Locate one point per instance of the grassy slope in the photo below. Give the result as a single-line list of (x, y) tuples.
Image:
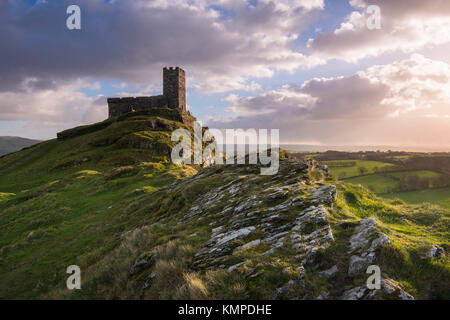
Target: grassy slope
[(175, 245), (78, 200), (70, 204), (412, 230)]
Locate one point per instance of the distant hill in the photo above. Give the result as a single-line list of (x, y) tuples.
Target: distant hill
[(12, 144)]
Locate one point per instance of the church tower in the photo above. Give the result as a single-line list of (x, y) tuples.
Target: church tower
[(174, 84)]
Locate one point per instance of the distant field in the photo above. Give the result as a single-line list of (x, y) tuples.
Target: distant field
[(376, 183), (350, 168), (435, 196), (419, 173), (310, 156), (383, 183)]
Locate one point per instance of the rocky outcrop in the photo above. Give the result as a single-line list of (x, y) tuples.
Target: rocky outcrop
[(142, 263), (286, 221), (286, 213), (364, 243), (434, 252), (389, 290)]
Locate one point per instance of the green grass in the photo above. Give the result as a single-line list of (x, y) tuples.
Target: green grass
[(5, 196), (412, 230), (350, 168), (400, 157), (73, 221), (311, 156), (419, 173), (384, 183), (67, 202), (436, 196), (376, 183), (100, 200)]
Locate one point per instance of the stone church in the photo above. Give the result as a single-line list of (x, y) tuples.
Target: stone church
[(174, 96)]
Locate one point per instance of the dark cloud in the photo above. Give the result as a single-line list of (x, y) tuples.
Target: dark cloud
[(131, 40)]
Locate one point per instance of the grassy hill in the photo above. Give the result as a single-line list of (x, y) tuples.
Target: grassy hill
[(13, 144), (106, 198), (69, 198)]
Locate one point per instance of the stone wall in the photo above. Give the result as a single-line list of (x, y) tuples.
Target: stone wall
[(121, 106), (174, 96)]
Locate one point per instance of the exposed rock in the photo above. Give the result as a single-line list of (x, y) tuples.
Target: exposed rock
[(232, 268), (234, 189), (390, 289), (315, 216), (329, 273), (142, 264), (358, 265), (308, 245), (323, 296), (362, 235), (280, 291), (379, 242), (217, 230), (363, 246), (324, 195), (354, 294), (241, 233), (249, 245), (434, 252)]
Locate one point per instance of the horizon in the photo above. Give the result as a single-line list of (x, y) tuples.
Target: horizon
[(303, 147)]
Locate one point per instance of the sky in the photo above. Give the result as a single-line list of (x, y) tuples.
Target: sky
[(317, 70)]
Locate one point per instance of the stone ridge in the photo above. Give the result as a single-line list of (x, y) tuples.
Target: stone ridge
[(256, 223)]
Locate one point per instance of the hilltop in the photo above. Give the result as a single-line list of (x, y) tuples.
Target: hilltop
[(13, 144), (107, 198)]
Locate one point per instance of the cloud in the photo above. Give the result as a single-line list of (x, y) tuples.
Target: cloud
[(354, 108), (406, 26), (50, 106), (222, 44)]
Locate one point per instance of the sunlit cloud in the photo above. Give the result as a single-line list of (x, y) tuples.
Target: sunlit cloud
[(403, 92)]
